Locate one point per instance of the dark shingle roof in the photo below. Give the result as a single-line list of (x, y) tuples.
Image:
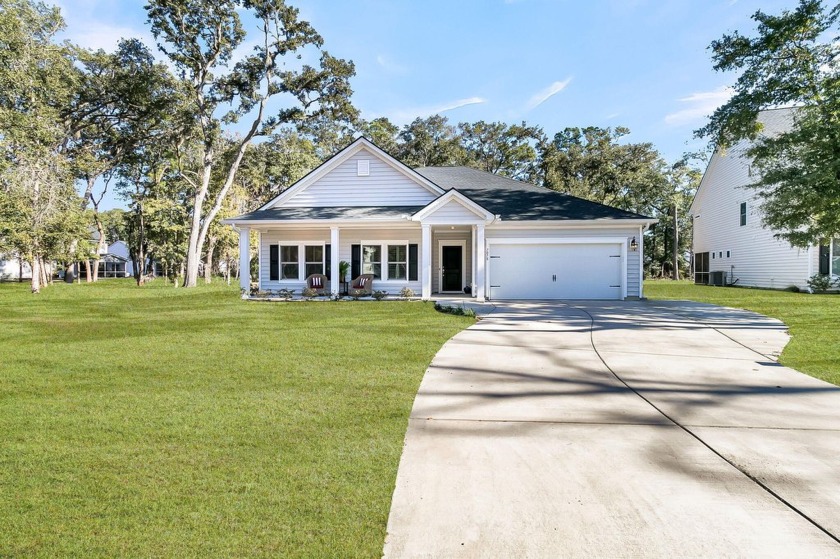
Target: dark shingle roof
[(516, 200), (365, 212)]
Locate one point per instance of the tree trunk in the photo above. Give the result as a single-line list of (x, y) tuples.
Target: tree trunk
[(88, 277), (36, 275), (676, 253), (208, 260), (20, 269)]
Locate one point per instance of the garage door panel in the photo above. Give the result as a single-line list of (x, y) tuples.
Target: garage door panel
[(555, 271)]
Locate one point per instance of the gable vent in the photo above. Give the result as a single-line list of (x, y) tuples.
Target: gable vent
[(362, 168)]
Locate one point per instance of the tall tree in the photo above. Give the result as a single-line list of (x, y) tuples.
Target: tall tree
[(200, 37), (591, 163), (40, 213), (792, 61), (430, 141), (502, 149)]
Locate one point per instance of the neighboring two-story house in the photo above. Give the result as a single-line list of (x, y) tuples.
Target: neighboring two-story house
[(731, 244)]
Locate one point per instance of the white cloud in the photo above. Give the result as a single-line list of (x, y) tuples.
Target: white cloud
[(699, 106), (404, 116), (390, 66), (544, 95)]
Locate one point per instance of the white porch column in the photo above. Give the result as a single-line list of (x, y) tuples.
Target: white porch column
[(245, 259), (641, 244), (335, 277), (426, 262), (480, 263), (474, 262)]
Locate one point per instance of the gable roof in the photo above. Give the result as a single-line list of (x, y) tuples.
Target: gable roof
[(333, 162), (455, 197), (515, 200), (774, 122)]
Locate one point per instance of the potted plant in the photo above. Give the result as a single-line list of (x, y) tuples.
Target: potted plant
[(343, 275)]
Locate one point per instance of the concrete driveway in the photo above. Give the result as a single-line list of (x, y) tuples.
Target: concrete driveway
[(642, 429)]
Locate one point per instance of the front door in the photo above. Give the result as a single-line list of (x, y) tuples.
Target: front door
[(451, 262)]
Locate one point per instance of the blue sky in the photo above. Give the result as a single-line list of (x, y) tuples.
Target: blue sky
[(643, 64)]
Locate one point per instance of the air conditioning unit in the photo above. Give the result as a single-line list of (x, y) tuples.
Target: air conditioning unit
[(717, 278)]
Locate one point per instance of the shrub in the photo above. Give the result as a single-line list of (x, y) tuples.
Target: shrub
[(820, 283), (379, 295), (406, 292), (286, 294), (309, 293)]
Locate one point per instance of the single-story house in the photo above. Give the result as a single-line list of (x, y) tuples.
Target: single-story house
[(439, 230), (731, 244), (13, 268)]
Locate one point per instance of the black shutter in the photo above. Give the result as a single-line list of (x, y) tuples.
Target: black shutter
[(825, 259), (412, 262), (328, 261), (274, 262), (355, 261)]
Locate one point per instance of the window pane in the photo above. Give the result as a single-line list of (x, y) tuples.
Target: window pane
[(835, 257), (314, 253), (397, 271), (314, 269), (396, 253), (290, 271), (289, 253), (372, 268), (371, 254)]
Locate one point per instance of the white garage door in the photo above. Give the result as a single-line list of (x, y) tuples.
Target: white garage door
[(555, 271)]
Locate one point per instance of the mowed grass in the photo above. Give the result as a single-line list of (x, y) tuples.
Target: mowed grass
[(162, 422), (813, 320)]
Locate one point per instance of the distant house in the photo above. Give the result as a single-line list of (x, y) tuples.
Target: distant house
[(13, 269), (731, 244)]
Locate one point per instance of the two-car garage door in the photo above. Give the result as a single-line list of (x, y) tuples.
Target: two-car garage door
[(555, 271)]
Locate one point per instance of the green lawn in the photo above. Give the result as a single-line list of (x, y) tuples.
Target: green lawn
[(162, 422), (813, 320)]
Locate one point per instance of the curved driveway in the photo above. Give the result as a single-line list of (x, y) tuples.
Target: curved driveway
[(634, 429)]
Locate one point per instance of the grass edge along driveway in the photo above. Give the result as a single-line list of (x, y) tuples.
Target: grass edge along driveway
[(161, 422), (813, 320)]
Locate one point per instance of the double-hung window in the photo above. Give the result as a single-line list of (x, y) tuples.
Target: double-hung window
[(743, 213), (397, 262), (314, 263), (289, 264)]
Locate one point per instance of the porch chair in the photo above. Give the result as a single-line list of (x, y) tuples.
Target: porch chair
[(362, 286), (318, 282)]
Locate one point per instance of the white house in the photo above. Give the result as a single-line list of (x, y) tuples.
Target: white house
[(12, 268), (729, 235), (442, 230)]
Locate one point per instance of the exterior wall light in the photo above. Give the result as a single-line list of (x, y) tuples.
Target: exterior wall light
[(634, 246)]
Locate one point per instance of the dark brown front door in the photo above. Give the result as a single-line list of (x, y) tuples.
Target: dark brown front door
[(451, 258)]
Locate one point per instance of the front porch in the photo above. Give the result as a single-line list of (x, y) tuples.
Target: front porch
[(429, 259)]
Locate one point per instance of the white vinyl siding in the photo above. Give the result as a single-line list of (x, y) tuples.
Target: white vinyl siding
[(344, 187), (452, 212), (756, 257)]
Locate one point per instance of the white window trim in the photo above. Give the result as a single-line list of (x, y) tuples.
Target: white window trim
[(831, 271), (301, 258), (383, 250)]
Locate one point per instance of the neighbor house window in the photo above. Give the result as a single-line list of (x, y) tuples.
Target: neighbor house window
[(397, 262), (835, 257), (314, 263), (728, 254), (372, 260), (743, 213), (289, 264)]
